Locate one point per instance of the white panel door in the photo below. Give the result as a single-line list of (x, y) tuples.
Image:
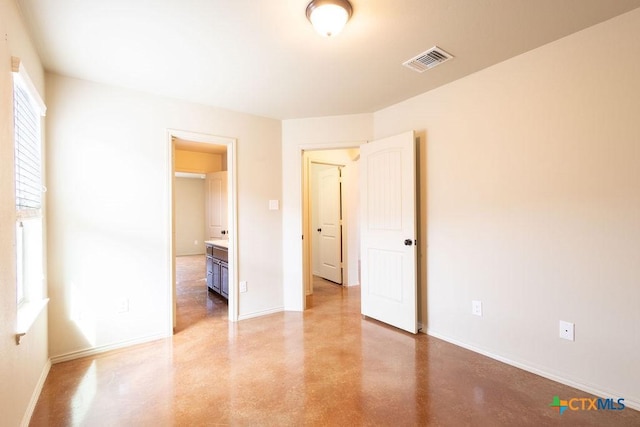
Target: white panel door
[(388, 233), (216, 199), (330, 230)]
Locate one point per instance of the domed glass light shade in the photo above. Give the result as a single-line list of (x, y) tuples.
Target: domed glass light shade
[(329, 16)]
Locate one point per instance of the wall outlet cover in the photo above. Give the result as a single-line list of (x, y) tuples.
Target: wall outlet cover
[(567, 330), (123, 305), (476, 308), (243, 286)]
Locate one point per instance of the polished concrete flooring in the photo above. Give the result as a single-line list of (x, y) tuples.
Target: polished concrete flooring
[(326, 367)]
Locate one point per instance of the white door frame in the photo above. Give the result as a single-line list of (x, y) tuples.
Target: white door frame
[(305, 223), (230, 143), (310, 228)]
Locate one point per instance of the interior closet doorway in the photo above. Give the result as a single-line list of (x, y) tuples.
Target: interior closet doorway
[(330, 217), (195, 156), (326, 219)]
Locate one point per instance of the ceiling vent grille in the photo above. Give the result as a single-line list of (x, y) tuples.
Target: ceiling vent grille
[(427, 60)]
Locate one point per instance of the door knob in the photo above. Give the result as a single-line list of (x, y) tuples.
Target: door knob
[(408, 242)]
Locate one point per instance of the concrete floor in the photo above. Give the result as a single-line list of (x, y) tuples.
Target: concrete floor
[(324, 367)]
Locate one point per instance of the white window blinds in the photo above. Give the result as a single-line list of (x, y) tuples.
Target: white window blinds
[(27, 109), (27, 153)]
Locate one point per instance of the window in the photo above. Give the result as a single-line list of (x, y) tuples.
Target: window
[(28, 110), (28, 183)]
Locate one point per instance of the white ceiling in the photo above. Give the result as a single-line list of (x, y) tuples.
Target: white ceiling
[(263, 57)]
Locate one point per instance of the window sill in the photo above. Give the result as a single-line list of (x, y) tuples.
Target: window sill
[(28, 312)]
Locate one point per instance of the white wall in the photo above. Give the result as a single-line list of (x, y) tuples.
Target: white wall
[(189, 196), (532, 191), (109, 222), (23, 366), (299, 135)]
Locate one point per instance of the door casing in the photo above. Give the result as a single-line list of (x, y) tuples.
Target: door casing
[(307, 231), (232, 218)]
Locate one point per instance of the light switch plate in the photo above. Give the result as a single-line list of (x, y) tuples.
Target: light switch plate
[(274, 205)]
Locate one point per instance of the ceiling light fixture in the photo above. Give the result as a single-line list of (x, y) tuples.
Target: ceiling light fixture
[(329, 16)]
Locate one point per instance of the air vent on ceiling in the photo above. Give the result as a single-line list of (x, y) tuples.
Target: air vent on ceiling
[(429, 59)]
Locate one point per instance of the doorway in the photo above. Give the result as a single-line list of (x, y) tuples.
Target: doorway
[(391, 169), (181, 143), (330, 239)]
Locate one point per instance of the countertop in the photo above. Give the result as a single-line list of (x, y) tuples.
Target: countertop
[(218, 242)]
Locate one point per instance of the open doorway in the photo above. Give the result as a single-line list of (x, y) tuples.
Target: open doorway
[(197, 160), (330, 218)]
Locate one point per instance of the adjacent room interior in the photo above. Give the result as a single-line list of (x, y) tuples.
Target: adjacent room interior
[(200, 205)]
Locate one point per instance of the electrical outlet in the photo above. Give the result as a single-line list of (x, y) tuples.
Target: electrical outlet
[(567, 331), (195, 242), (123, 305), (243, 286), (476, 308)]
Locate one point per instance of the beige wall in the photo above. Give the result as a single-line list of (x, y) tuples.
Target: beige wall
[(109, 222), (189, 196), (23, 367), (532, 205), (191, 161)]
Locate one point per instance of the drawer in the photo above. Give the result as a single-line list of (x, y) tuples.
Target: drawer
[(220, 253)]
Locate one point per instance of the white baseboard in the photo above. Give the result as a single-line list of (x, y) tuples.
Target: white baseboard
[(36, 394), (260, 313), (551, 376), (191, 253), (104, 348)]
